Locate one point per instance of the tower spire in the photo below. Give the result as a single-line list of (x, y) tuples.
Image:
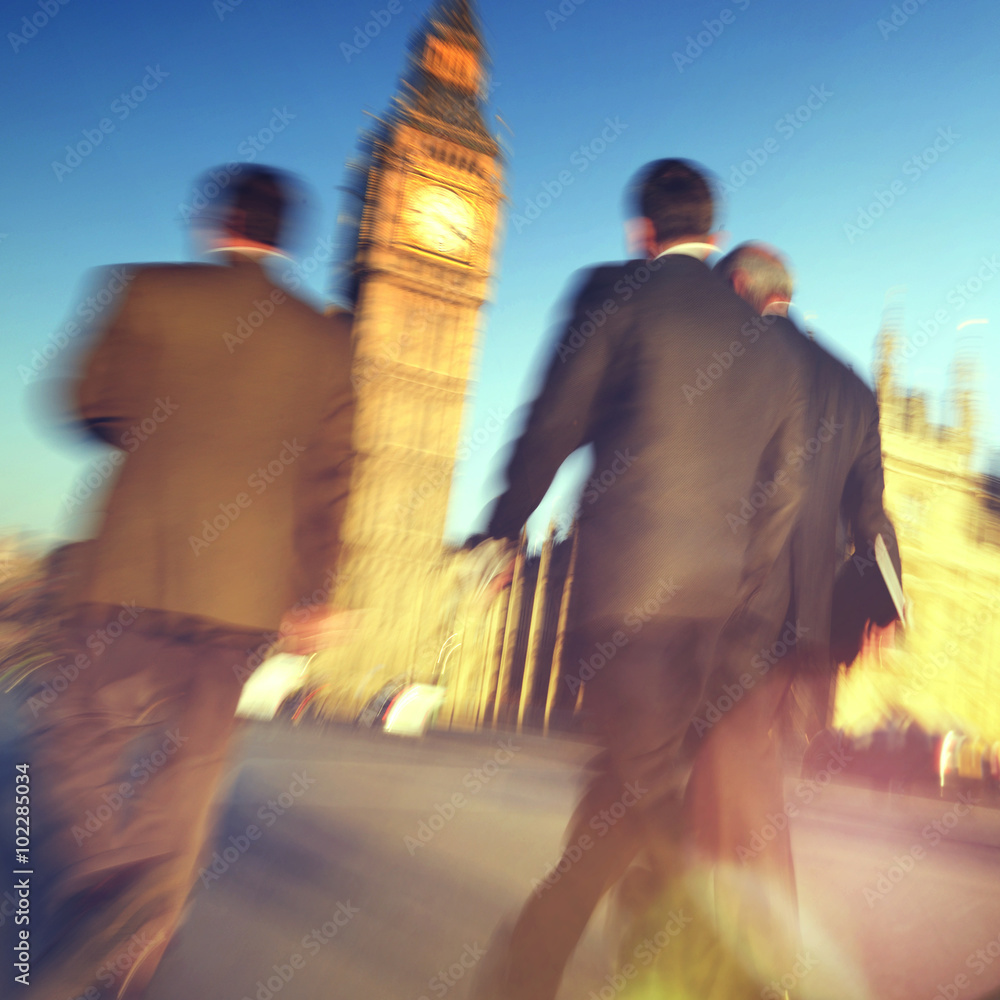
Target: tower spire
[(886, 347), (460, 16), (444, 90)]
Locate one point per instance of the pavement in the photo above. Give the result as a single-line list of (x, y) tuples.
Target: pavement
[(352, 865)]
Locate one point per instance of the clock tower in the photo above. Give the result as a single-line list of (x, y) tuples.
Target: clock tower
[(421, 271)]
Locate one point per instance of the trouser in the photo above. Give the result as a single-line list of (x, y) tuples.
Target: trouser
[(685, 801), (125, 761), (642, 701), (739, 826)]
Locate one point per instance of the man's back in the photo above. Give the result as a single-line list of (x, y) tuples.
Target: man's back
[(691, 409), (232, 401), (847, 486)]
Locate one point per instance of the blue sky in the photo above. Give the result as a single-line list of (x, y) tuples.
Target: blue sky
[(725, 84)]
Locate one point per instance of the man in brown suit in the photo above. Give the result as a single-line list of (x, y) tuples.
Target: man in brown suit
[(231, 400)]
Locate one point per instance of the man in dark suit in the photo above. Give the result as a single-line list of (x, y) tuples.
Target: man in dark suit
[(844, 513), (688, 407), (230, 402), (737, 815)]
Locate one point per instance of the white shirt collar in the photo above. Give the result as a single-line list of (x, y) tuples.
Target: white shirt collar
[(700, 251), (253, 253), (776, 309)]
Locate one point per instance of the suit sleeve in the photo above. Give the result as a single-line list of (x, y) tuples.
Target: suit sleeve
[(327, 479), (864, 495), (563, 415), (107, 392)]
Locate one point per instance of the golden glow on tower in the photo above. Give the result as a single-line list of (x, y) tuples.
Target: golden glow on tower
[(454, 65)]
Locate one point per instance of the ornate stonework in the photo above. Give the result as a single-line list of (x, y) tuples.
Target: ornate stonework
[(946, 669), (422, 268)]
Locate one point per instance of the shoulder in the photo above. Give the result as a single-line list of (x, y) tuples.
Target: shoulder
[(326, 336), (791, 341), (150, 277), (598, 279), (338, 325), (166, 286), (613, 285), (839, 373)]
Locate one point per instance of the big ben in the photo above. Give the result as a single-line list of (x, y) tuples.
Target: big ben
[(422, 266)]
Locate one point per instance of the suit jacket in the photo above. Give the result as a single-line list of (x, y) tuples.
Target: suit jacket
[(232, 402), (846, 491), (690, 410), (790, 615)]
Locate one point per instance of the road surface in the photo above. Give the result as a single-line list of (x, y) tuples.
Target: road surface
[(364, 867)]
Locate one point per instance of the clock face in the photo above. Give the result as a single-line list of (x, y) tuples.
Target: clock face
[(440, 220)]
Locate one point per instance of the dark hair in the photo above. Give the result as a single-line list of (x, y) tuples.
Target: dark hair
[(676, 196), (257, 202)]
